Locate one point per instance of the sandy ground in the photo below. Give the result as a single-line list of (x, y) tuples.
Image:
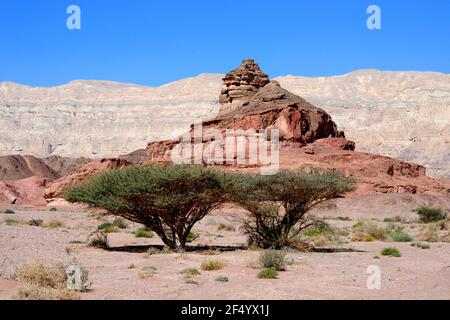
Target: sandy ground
[(418, 274)]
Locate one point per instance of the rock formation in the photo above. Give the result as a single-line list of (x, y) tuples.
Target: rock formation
[(20, 167), (241, 84), (308, 137), (56, 188), (24, 192), (397, 114), (405, 115)]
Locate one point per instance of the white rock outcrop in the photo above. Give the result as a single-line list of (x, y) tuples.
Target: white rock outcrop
[(100, 118)]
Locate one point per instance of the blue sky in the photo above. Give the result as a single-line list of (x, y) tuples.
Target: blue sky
[(154, 42)]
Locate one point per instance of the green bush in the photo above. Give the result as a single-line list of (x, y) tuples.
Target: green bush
[(36, 222), (98, 239), (192, 236), (120, 223), (428, 215), (169, 200), (391, 251), (400, 236), (54, 224), (369, 230), (111, 229), (344, 218), (268, 273), (143, 233), (222, 279), (420, 245), (191, 272), (104, 226), (226, 227), (279, 204), (212, 265), (11, 222), (273, 259), (9, 211), (53, 209)]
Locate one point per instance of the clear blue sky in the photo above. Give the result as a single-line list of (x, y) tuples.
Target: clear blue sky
[(154, 42)]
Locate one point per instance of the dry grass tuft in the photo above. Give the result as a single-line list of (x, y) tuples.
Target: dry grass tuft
[(39, 281)]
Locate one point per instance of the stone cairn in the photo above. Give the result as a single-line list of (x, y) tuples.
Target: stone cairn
[(243, 82)]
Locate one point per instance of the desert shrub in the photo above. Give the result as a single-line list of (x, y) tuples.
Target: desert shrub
[(147, 272), (279, 204), (143, 233), (190, 272), (396, 219), (9, 211), (320, 234), (11, 222), (108, 227), (104, 226), (273, 259), (190, 281), (391, 251), (192, 236), (344, 218), (111, 229), (226, 227), (268, 273), (428, 215), (369, 230), (169, 200), (400, 236), (53, 209), (222, 279), (435, 232), (420, 245), (152, 251), (120, 223), (53, 224), (98, 239), (212, 265), (42, 275), (33, 292), (36, 222), (40, 281)]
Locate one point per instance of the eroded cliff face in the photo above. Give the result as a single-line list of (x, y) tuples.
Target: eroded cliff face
[(98, 118)]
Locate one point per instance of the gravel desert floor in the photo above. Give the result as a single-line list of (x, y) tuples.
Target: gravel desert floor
[(128, 271)]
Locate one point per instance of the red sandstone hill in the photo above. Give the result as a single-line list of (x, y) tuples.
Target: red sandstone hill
[(308, 137)]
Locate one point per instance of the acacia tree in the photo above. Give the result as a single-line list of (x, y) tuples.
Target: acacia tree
[(279, 205), (169, 200)]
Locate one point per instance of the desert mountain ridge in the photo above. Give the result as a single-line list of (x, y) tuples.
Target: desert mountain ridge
[(397, 114)]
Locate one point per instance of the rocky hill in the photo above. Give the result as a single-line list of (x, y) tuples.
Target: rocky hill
[(307, 137), (405, 115), (398, 114)]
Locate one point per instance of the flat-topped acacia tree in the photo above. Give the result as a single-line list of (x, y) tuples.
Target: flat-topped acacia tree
[(280, 204), (169, 200)]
